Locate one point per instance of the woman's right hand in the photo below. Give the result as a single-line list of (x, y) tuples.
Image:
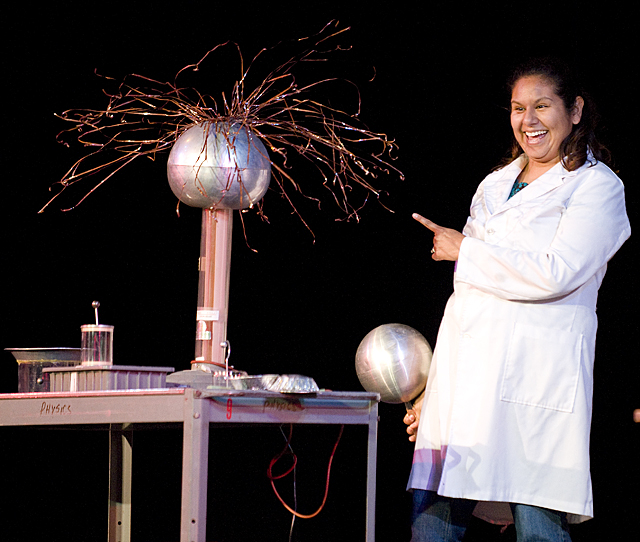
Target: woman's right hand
[(412, 417)]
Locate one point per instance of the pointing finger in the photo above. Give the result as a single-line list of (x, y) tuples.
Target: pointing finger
[(426, 222)]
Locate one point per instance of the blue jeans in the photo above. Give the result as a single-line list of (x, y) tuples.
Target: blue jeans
[(443, 519)]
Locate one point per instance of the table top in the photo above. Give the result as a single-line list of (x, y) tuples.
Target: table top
[(168, 405)]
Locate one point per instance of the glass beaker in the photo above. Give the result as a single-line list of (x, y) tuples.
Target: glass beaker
[(97, 344)]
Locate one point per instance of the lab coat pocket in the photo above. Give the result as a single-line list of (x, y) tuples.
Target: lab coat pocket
[(542, 367)]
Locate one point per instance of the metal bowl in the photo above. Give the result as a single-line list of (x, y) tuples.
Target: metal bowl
[(31, 361)]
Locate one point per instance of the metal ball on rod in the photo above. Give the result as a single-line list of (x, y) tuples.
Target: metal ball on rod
[(394, 360)]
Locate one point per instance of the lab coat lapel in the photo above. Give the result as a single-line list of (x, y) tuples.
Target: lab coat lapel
[(543, 184), (497, 191)]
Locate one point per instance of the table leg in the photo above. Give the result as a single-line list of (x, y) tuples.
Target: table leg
[(195, 455), (120, 458), (372, 450)]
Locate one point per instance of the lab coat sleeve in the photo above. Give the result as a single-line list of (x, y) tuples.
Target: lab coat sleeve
[(592, 228)]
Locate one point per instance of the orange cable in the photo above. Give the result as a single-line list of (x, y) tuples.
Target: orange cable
[(326, 490), (277, 458)]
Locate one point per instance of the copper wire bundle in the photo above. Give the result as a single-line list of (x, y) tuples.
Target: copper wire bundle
[(144, 117)]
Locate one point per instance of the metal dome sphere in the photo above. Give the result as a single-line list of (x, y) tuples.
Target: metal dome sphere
[(218, 165)]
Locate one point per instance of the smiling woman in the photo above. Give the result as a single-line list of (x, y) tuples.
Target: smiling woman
[(502, 428), (540, 123), (552, 117)]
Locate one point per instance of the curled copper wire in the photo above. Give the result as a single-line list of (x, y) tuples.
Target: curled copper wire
[(144, 117)]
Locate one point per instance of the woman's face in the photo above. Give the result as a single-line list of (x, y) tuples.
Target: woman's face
[(540, 120)]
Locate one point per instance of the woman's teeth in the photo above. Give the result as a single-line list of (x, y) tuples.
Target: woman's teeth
[(536, 134)]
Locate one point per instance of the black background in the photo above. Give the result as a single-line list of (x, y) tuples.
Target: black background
[(296, 306)]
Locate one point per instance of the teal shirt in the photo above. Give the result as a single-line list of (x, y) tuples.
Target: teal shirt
[(516, 188)]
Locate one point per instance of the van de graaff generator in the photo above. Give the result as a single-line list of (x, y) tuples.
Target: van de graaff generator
[(218, 167)]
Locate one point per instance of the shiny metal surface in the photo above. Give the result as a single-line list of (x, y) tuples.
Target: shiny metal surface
[(255, 382), (294, 384), (394, 360), (206, 377), (106, 377), (61, 353), (217, 165), (95, 306), (31, 362)]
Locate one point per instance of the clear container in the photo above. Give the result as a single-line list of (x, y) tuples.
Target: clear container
[(97, 344)]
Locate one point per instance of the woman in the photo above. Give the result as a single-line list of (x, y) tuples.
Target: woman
[(503, 426)]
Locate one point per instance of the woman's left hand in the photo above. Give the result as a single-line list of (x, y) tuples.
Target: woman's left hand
[(412, 417), (446, 242)]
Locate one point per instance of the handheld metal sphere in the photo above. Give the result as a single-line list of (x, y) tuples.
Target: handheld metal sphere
[(394, 360)]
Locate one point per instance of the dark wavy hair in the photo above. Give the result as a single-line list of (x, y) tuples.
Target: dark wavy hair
[(574, 150)]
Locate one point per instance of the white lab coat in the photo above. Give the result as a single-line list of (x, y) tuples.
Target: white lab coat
[(507, 409)]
